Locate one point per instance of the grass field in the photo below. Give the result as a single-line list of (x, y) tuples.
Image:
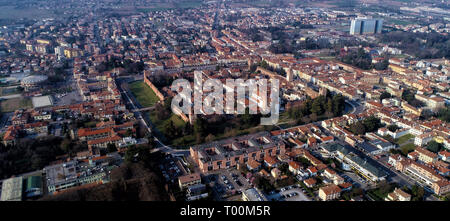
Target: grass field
[(8, 91), (143, 93), (177, 121), (12, 12), (11, 105), (165, 6), (401, 140), (408, 148)]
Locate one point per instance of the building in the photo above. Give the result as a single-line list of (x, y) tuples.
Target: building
[(425, 155), (360, 164), (189, 180), (329, 192), (237, 150), (71, 174), (441, 187), (12, 189), (310, 182), (422, 173), (398, 195), (360, 26), (33, 186), (276, 173), (253, 194)]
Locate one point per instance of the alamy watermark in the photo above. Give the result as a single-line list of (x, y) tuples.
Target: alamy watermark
[(209, 97)]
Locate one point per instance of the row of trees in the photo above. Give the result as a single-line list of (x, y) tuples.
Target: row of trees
[(321, 107)]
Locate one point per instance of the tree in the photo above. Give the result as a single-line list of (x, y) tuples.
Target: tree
[(371, 124), (170, 130), (434, 146), (444, 114), (111, 148), (358, 128), (138, 153), (418, 193), (392, 127), (209, 138), (316, 107), (385, 95)]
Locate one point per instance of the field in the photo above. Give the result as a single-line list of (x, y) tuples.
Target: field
[(143, 93), (408, 148), (12, 13), (169, 6), (14, 104), (401, 140), (8, 91), (161, 126)]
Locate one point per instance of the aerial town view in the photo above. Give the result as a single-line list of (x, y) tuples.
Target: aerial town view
[(123, 100)]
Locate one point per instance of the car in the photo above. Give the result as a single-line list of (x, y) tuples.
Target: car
[(283, 189), (226, 181), (239, 183), (223, 177)]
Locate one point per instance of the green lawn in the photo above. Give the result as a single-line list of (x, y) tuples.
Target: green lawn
[(13, 104), (8, 91), (143, 93), (401, 140), (408, 148), (178, 122)]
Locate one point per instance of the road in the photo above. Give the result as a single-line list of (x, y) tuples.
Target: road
[(357, 108), (11, 96), (137, 113)]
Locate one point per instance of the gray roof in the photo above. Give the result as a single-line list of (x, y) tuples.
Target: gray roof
[(12, 189), (237, 146)]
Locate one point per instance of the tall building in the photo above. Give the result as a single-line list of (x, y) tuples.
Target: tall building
[(362, 26)]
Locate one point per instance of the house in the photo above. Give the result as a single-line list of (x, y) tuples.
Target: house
[(441, 187), (294, 167), (425, 155), (346, 186), (264, 173), (270, 161), (276, 173), (398, 195), (394, 158), (444, 156), (329, 192), (310, 182), (253, 165), (189, 180), (312, 170)]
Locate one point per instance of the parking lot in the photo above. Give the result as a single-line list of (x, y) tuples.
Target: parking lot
[(289, 193), (356, 180), (227, 183), (67, 98)]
